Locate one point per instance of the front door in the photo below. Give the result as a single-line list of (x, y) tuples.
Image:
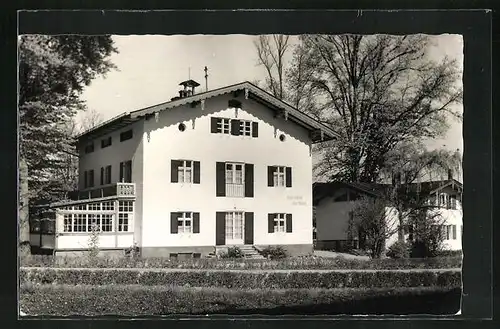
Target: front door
[(234, 228)]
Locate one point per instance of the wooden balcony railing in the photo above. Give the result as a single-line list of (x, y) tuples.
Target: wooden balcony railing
[(118, 189)]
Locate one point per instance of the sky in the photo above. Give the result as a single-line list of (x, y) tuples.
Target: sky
[(150, 68)]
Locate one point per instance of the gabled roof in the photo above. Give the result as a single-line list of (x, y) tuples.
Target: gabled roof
[(323, 190), (250, 90)]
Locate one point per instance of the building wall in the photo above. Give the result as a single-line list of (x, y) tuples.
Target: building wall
[(332, 218), (112, 155), (164, 142)]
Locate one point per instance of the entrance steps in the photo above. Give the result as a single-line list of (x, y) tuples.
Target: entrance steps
[(249, 251)]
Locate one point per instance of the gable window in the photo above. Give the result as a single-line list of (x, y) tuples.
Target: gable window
[(126, 135), (184, 222), (126, 171), (105, 175), (220, 125), (185, 171), (280, 223), (245, 128), (279, 176), (106, 142), (89, 148)]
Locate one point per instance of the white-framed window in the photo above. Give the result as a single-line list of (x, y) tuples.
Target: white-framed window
[(123, 222), (280, 223), (245, 128), (185, 171), (94, 219), (108, 205), (107, 223), (185, 223), (80, 223), (279, 176), (234, 173), (223, 125), (443, 197), (68, 223), (234, 225), (94, 206), (126, 206)]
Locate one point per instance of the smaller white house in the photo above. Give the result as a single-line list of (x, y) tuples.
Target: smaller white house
[(334, 205)]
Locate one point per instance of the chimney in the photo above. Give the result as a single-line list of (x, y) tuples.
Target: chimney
[(189, 88), (450, 174)]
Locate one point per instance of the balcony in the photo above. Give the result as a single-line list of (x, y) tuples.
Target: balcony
[(118, 190)]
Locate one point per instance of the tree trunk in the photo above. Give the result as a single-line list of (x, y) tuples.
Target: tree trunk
[(24, 226)]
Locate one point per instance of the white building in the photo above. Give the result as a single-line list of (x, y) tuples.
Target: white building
[(231, 166), (334, 204)]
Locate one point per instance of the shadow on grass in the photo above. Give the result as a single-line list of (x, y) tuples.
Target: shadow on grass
[(428, 303)]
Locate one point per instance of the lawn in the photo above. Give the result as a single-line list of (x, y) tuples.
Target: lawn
[(134, 300)]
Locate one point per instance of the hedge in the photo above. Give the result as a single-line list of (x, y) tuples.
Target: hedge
[(287, 263), (243, 279), (135, 301)]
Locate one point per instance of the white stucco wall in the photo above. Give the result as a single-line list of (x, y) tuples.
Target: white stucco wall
[(164, 142)]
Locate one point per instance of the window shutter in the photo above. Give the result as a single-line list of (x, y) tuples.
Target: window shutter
[(102, 175), (248, 227), (249, 180), (289, 223), (174, 217), (288, 177), (213, 125), (85, 179), (122, 177), (454, 227), (196, 222), (255, 129), (108, 175), (220, 228), (174, 167), (220, 179), (270, 223), (270, 175), (235, 127), (196, 174), (129, 171)]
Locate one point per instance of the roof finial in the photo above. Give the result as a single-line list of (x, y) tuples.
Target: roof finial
[(206, 78)]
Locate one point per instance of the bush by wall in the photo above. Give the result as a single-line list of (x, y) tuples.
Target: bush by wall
[(398, 250), (274, 252), (243, 279), (305, 263)]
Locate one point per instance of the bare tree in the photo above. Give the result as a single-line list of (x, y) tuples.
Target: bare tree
[(271, 50), (377, 92), (90, 119)]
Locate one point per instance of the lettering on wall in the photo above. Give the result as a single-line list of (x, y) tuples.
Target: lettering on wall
[(297, 200)]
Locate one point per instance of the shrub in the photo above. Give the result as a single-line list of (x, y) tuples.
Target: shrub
[(398, 250), (233, 252), (137, 301), (274, 252), (244, 279)]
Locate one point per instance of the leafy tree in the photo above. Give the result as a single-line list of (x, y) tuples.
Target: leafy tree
[(377, 91), (53, 70)]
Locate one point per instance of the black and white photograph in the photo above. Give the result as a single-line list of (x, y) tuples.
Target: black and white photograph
[(239, 174)]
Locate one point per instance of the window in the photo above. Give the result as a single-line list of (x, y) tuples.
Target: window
[(89, 148), (452, 202), (88, 177), (108, 205), (126, 171), (94, 221), (123, 222), (442, 200), (223, 125), (185, 172), (68, 223), (126, 206), (234, 173), (105, 175), (80, 223), (106, 142), (107, 223), (94, 206), (279, 176), (245, 128), (184, 223), (81, 207), (279, 223), (126, 135)]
